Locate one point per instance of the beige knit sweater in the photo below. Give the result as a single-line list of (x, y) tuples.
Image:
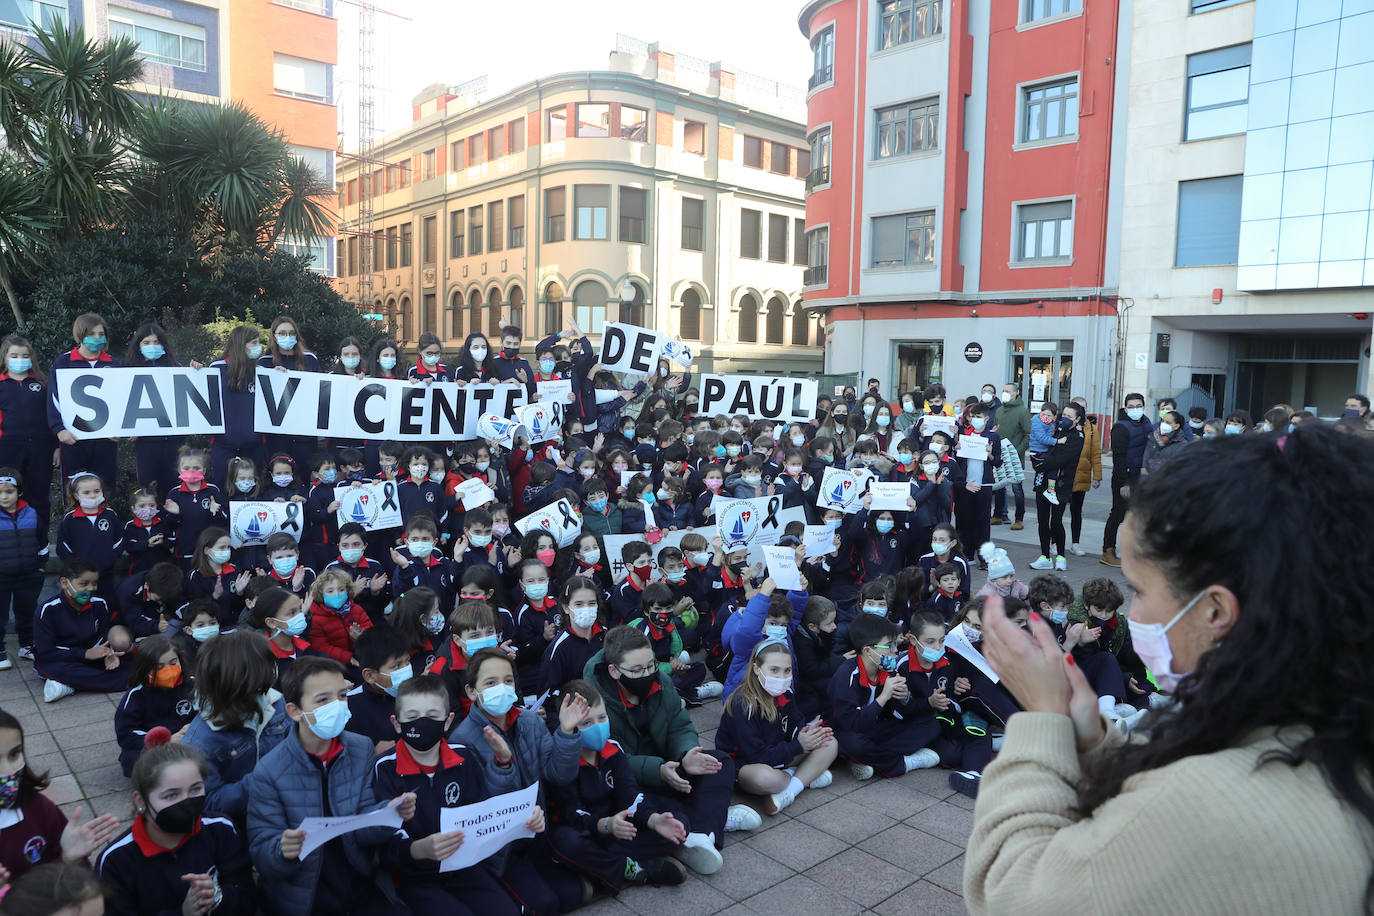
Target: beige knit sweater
[(1208, 834)]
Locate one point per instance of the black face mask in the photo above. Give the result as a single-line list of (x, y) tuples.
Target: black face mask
[(423, 733), (511, 352), (824, 638), (639, 686), (180, 817)]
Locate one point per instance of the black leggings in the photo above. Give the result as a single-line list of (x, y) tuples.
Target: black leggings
[(1076, 514), (1051, 519)]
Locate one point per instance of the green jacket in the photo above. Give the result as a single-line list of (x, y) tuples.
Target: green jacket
[(674, 643), (670, 733), (1013, 423), (602, 525)]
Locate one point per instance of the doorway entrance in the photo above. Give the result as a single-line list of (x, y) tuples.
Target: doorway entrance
[(1043, 369), (920, 363)]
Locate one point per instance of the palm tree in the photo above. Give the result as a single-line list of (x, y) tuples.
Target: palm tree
[(25, 225)]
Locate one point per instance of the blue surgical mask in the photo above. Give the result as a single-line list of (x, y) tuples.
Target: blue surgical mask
[(351, 555), (594, 737), (245, 486), (875, 609), (254, 350), (337, 601), (479, 540), (386, 362), (480, 642), (286, 341), (282, 480), (153, 352), (647, 496), (978, 423), (888, 663), (220, 556), (676, 576), (350, 362), (1234, 430), (483, 465), (20, 364), (596, 505), (205, 633), (330, 719), (546, 366), (431, 359), (499, 699), (931, 655), (939, 549), (329, 476), (296, 625), (420, 549), (882, 420), (1058, 617), (904, 458), (1135, 413), (284, 566), (536, 591), (884, 525), (775, 632), (399, 677), (720, 451)]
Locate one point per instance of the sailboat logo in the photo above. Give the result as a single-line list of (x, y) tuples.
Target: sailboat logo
[(254, 530), (738, 525), (536, 428), (837, 494), (358, 515)]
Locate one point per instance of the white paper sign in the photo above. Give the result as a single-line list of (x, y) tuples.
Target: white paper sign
[(764, 397), (818, 540), (843, 490), (615, 543), (628, 348), (555, 395), (757, 521), (488, 826), (345, 407), (889, 496), (627, 476), (320, 830), (932, 424), (373, 505), (99, 403), (540, 419), (678, 352), (492, 427), (782, 567), (252, 523), (958, 642), (975, 447), (559, 519), (474, 493)]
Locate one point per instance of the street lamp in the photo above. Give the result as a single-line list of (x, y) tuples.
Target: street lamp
[(627, 300)]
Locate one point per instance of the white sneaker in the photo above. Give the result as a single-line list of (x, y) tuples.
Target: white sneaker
[(1123, 710), (923, 759), (861, 771), (1061, 564), (1160, 700), (54, 691), (1077, 551), (742, 817), (710, 689), (1042, 562), (5, 663), (1051, 497), (699, 853), (26, 653), (780, 800), (821, 781)]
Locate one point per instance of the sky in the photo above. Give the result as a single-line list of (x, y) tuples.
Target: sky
[(514, 41)]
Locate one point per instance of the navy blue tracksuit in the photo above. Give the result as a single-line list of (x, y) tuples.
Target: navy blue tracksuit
[(195, 516), (22, 553), (956, 747), (753, 739), (880, 735), (26, 442), (99, 456), (62, 634), (136, 536), (144, 708), (96, 536)]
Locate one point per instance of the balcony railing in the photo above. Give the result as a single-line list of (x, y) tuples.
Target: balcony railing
[(818, 176), (815, 276), (820, 78)]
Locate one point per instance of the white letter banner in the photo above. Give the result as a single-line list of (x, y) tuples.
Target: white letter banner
[(154, 401), (628, 348), (764, 397)]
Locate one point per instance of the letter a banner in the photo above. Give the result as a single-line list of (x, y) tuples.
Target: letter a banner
[(763, 397)]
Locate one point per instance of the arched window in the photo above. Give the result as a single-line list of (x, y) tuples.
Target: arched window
[(553, 308), (748, 319), (407, 320), (635, 313), (689, 322), (801, 326), (475, 312), (517, 307), (494, 313), (776, 321), (455, 317), (589, 306)]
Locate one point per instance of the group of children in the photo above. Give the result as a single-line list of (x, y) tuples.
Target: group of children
[(326, 671)]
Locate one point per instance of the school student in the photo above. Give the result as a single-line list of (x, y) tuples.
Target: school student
[(149, 602), (159, 694), (384, 656), (371, 581), (336, 621), (419, 564), (193, 505), (26, 442), (176, 858), (931, 677), (626, 602), (74, 645), (283, 619), (318, 770), (878, 724), (213, 576), (582, 637), (769, 613), (985, 698), (777, 752), (91, 530), (98, 457), (22, 555), (813, 647), (149, 537), (658, 622), (472, 627)]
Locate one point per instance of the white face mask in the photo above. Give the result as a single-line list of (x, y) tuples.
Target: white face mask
[(1166, 429), (478, 353), (776, 686), (1151, 643), (583, 617)]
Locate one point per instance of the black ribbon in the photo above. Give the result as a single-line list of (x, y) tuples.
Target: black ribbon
[(293, 514), (569, 521), (771, 519), (389, 495)]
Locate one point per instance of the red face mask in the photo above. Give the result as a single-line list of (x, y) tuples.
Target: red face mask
[(546, 556)]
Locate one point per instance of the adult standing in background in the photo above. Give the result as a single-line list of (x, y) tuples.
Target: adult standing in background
[(1089, 474), (1130, 435), (1013, 424)]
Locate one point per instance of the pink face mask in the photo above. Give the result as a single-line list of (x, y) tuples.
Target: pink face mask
[(546, 556), (714, 483), (191, 476), (145, 513)]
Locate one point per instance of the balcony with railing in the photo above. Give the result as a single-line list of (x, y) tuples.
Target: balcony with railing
[(816, 276), (820, 78), (818, 176)]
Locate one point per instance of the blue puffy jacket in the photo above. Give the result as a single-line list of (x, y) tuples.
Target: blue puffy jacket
[(232, 753), (20, 550), (744, 630)]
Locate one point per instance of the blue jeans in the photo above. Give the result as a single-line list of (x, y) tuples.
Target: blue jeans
[(1001, 509)]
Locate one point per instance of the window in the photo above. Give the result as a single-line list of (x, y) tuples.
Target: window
[(1044, 232), (799, 242), (1208, 221), (515, 210), (475, 229), (1206, 6), (907, 239), (777, 238), (19, 13), (427, 162), (694, 138), (553, 308), (558, 123), (429, 240), (748, 320), (634, 213), (516, 131), (1031, 10), (496, 225), (455, 317), (406, 244), (822, 59), (377, 243), (593, 119), (353, 256), (592, 206), (634, 124), (776, 321), (820, 159), (316, 158), (477, 149), (457, 222), (494, 313), (496, 143), (1218, 93), (353, 190), (689, 321), (303, 249), (780, 159), (475, 312), (905, 129), (633, 312), (589, 304), (901, 21), (457, 155), (753, 152), (750, 234), (817, 257), (555, 214), (803, 162), (298, 77), (517, 306), (693, 223), (801, 327), (429, 319), (164, 41), (403, 173), (391, 248), (1049, 110), (406, 319)]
